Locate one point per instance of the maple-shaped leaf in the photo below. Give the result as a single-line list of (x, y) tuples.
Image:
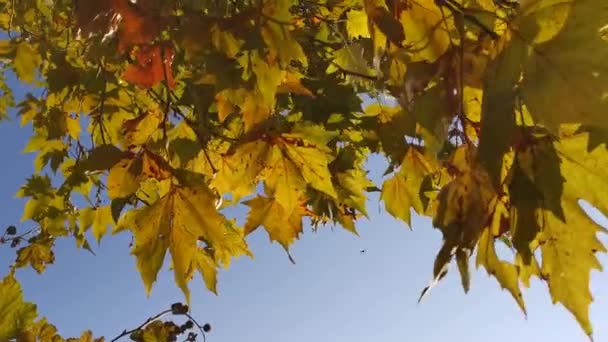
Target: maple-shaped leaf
[(351, 61), (507, 274), (141, 129), (566, 235), (41, 330), (562, 83), (283, 225), (239, 171), (311, 160), (425, 26), (17, 315), (27, 61), (124, 177), (403, 192), (278, 37), (138, 25), (462, 224), (351, 188), (97, 218), (176, 222), (393, 124), (152, 66), (37, 254)]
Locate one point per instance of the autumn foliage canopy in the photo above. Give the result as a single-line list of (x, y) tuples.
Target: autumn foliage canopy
[(149, 117)]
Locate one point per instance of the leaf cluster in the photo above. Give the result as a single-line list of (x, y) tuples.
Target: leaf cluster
[(157, 115)]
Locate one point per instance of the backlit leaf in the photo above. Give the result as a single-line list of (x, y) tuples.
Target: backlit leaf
[(403, 192), (124, 178), (283, 226), (16, 314)]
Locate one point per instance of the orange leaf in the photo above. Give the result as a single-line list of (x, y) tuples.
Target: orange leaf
[(150, 69), (137, 26)]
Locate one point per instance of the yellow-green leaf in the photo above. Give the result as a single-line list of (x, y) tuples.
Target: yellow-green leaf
[(426, 36), (27, 60), (16, 315), (283, 226), (561, 84), (37, 254), (402, 192), (124, 178), (505, 273), (177, 222)]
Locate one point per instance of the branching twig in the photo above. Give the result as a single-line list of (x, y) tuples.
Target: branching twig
[(149, 320), (197, 325)]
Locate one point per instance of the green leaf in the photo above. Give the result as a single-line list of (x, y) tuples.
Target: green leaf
[(498, 108), (561, 84), (16, 314)]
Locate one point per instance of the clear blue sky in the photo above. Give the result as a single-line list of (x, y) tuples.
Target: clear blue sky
[(334, 293)]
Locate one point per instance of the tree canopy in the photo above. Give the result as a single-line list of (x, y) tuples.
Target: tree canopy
[(149, 117)]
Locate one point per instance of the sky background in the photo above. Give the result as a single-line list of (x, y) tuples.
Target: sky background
[(334, 293)]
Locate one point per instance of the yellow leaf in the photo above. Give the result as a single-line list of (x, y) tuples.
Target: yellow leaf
[(402, 192), (37, 254), (560, 86), (224, 41), (505, 273), (177, 222), (140, 130), (227, 99), (427, 38), (277, 36), (464, 207), (73, 127), (291, 84), (124, 178), (356, 24), (568, 256), (283, 226), (311, 161), (268, 77), (157, 331), (26, 62), (16, 314), (97, 218), (239, 172), (207, 266), (283, 179)]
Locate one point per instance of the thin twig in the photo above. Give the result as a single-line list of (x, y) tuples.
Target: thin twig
[(149, 320), (197, 325)]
